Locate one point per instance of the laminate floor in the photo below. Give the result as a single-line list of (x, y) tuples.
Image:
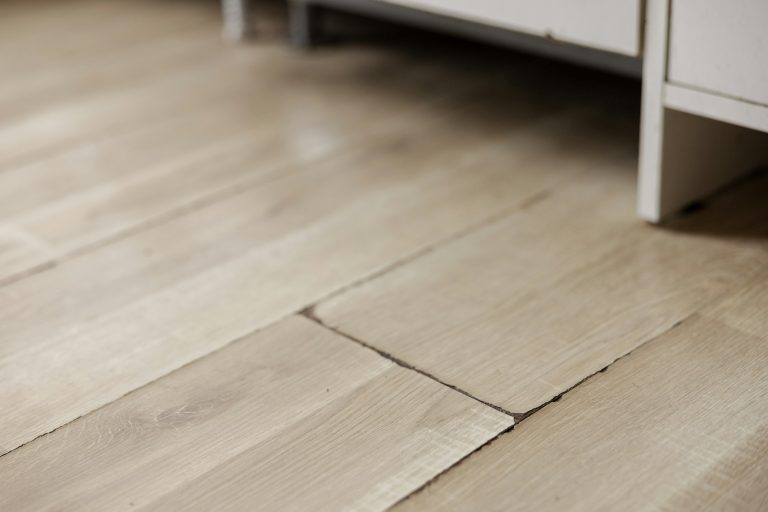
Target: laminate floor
[(399, 271)]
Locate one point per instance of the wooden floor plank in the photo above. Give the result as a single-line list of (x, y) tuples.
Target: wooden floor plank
[(57, 127), (20, 253), (101, 46), (193, 79), (313, 128), (81, 99), (526, 308), (129, 312), (111, 180), (50, 83), (163, 196), (680, 424), (134, 309), (91, 194), (97, 190), (95, 28), (292, 418)]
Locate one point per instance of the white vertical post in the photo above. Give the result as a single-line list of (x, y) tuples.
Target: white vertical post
[(652, 123), (236, 15)]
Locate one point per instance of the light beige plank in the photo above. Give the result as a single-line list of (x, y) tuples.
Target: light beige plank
[(680, 424), (301, 119), (20, 253), (101, 190), (291, 418), (746, 310), (524, 309), (156, 83), (110, 163), (134, 310), (75, 31), (110, 67), (56, 127), (98, 46), (128, 156)]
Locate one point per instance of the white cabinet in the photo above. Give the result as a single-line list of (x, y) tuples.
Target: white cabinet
[(611, 25), (720, 46), (705, 71), (705, 99)]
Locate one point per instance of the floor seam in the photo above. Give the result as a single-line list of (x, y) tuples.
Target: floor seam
[(310, 314), (224, 192), (520, 417), (453, 466), (154, 381), (307, 310), (486, 222)]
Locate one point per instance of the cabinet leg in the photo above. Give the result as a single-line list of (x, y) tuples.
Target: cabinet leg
[(237, 20), (306, 24)]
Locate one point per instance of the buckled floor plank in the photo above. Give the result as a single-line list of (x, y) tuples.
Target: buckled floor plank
[(522, 310), (130, 311), (680, 424), (291, 418)]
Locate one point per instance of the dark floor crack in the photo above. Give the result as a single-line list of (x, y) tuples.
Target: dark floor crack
[(310, 314), (518, 417), (453, 466)]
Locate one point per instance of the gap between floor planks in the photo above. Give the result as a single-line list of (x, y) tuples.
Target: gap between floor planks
[(536, 124), (206, 426)]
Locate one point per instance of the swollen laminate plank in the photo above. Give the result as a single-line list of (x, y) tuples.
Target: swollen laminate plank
[(679, 424), (131, 311), (524, 309), (291, 418)]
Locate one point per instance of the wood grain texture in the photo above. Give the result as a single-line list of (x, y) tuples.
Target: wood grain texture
[(164, 215), (197, 203), (680, 424), (159, 67), (131, 311), (20, 253), (97, 192), (291, 418), (525, 308), (148, 42), (53, 126), (111, 145)]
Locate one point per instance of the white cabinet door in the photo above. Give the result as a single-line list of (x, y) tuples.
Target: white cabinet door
[(612, 25), (721, 46)]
